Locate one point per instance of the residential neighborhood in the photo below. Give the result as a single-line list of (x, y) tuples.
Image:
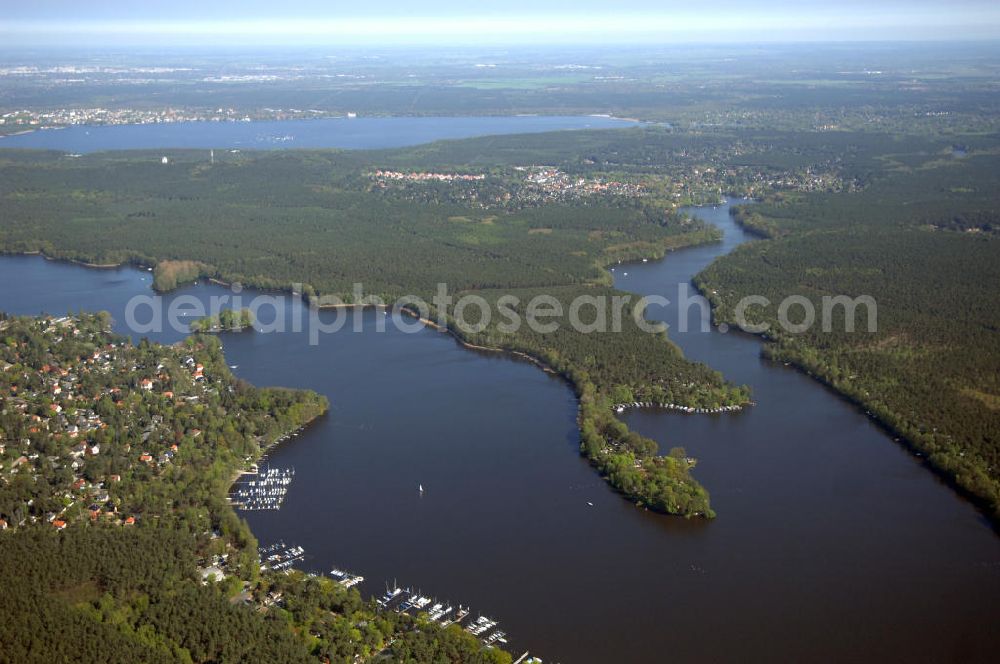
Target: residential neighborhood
[(78, 429)]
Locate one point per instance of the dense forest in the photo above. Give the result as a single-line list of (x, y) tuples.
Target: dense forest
[(315, 222), (311, 221), (922, 240)]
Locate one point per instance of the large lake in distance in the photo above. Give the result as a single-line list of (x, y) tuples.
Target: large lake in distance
[(348, 133), (832, 543)]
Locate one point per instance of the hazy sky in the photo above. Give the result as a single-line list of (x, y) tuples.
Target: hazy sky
[(119, 22)]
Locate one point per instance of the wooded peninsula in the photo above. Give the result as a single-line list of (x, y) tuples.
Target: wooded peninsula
[(523, 214)]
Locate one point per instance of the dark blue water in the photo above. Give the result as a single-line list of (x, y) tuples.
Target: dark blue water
[(348, 133), (832, 543)]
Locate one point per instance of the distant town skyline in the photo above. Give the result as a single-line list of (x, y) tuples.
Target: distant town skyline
[(440, 22)]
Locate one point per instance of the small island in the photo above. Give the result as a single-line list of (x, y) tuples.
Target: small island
[(228, 320)]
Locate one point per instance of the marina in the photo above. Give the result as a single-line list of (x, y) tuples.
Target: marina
[(265, 491)]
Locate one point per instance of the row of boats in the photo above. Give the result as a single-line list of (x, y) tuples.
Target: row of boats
[(444, 614), (620, 408)]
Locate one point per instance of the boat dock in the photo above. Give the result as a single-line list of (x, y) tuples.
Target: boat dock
[(622, 407), (280, 557), (400, 600), (346, 579)]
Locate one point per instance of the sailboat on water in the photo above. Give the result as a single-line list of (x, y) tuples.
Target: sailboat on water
[(420, 488)]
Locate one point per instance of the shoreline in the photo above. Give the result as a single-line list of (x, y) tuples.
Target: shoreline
[(488, 349), (74, 261), (919, 454), (579, 389), (901, 439), (24, 131), (321, 116), (96, 266), (816, 373), (244, 469)]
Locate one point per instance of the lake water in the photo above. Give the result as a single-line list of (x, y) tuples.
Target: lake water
[(348, 133), (832, 543)]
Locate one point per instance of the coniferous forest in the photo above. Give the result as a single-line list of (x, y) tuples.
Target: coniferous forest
[(850, 214)]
